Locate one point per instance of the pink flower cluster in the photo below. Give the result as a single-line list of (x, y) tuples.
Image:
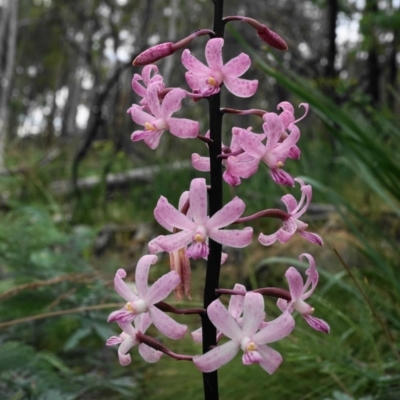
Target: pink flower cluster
[(190, 226)]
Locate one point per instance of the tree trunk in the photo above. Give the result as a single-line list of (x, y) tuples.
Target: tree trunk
[(9, 22)]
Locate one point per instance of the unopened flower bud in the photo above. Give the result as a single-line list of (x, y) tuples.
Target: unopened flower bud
[(268, 36), (272, 38), (162, 50), (154, 54)]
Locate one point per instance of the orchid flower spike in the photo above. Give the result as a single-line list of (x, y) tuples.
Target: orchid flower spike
[(293, 223), (127, 339), (146, 298), (300, 291), (199, 227), (206, 81), (161, 118), (248, 337)]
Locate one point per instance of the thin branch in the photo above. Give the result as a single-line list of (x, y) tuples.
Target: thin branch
[(58, 313)]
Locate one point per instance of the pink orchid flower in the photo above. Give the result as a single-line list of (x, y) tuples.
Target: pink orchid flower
[(207, 80), (127, 340), (235, 308), (146, 298), (300, 291), (246, 337), (273, 153), (147, 79), (161, 118), (293, 224), (199, 227), (203, 163)]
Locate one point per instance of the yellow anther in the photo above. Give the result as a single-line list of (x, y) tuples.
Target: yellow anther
[(128, 306), (312, 310), (149, 127), (251, 346), (211, 81), (198, 238), (279, 164)]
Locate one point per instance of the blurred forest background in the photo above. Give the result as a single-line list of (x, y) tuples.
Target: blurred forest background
[(76, 195)]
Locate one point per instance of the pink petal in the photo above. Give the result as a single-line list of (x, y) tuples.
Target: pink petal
[(290, 202), (146, 74), (214, 53), (273, 127), (317, 324), (253, 313), (175, 241), (271, 359), (142, 273), (196, 82), (172, 103), (122, 288), (166, 325), (162, 287), (282, 304), (143, 322), (200, 163), (227, 214), (122, 316), (126, 345), (236, 302), (231, 179), (198, 200), (237, 66), (267, 240), (113, 340), (193, 64), (290, 141), (153, 140), (224, 321), (153, 246), (294, 153), (232, 237), (244, 169), (172, 216), (216, 357), (275, 330), (241, 87), (197, 335), (287, 118), (137, 87), (183, 128), (312, 274), (295, 282), (288, 229), (149, 354), (251, 144), (281, 177), (183, 199), (139, 116), (286, 106), (312, 237), (153, 102)]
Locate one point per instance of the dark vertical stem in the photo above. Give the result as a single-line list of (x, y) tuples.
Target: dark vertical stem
[(210, 380)]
